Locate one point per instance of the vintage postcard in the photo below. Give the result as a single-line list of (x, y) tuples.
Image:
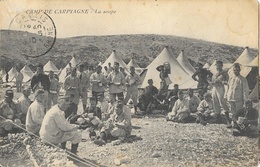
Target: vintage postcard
[(129, 83)]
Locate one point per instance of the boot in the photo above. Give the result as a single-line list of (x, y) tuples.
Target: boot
[(228, 119), (74, 148), (63, 145)]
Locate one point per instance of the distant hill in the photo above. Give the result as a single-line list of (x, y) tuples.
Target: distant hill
[(92, 49)]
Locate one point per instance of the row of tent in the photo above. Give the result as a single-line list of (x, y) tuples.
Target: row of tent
[(181, 69)]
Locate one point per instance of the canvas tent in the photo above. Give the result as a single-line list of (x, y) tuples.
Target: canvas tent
[(27, 73), (12, 72), (115, 58), (178, 74), (246, 68), (254, 95), (63, 73), (133, 63), (184, 62), (50, 66)]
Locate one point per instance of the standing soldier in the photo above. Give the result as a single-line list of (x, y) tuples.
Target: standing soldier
[(116, 82), (238, 91), (203, 76), (98, 81), (41, 81), (164, 70), (132, 82), (19, 81), (72, 86), (218, 92), (54, 90), (84, 84)]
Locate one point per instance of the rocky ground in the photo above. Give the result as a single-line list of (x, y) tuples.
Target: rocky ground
[(161, 143)]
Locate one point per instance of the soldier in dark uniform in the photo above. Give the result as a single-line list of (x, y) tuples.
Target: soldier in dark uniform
[(201, 76), (147, 96)]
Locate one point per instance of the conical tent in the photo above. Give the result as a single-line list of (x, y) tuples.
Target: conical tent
[(63, 73), (132, 63), (27, 73), (254, 95), (138, 70), (115, 58), (245, 69), (50, 66), (184, 62), (178, 74), (245, 58), (12, 74)]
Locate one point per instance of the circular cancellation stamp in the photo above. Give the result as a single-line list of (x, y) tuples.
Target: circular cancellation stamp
[(33, 34)]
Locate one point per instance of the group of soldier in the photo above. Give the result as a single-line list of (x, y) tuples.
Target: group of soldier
[(56, 119)]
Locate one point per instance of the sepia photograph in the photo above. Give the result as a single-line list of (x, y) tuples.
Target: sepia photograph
[(137, 83)]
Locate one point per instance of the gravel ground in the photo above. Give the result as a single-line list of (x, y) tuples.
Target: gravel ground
[(161, 143)]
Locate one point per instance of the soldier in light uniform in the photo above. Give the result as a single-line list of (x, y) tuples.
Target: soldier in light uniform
[(54, 90), (84, 84), (238, 90), (72, 85), (218, 92), (116, 81), (132, 81)]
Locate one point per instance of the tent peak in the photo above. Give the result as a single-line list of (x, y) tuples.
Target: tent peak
[(247, 47), (182, 50), (114, 50)]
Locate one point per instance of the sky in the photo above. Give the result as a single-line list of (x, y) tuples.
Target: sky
[(233, 22)]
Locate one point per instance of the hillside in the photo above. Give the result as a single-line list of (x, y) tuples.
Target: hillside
[(92, 49)]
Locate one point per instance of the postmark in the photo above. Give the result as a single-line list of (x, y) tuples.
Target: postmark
[(33, 34)]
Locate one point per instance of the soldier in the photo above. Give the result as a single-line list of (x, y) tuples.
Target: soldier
[(84, 84), (237, 92), (201, 76), (72, 85), (218, 91), (54, 90), (98, 82), (19, 81), (41, 81), (35, 113), (132, 82), (9, 114), (24, 102), (116, 81)]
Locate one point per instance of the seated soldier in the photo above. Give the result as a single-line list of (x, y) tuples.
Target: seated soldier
[(194, 101), (205, 110), (24, 102), (71, 111), (246, 120), (92, 108), (36, 113), (9, 114), (55, 129), (172, 97), (103, 105), (147, 96), (180, 111), (118, 126), (158, 103)]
